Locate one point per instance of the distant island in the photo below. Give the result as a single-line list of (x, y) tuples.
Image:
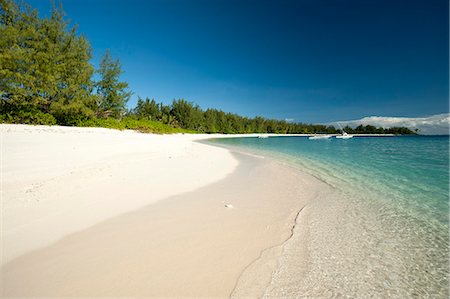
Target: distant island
[(47, 79)]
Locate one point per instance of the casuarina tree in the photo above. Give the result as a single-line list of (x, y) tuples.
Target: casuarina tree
[(112, 94)]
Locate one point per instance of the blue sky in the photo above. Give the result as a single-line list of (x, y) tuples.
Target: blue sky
[(307, 60)]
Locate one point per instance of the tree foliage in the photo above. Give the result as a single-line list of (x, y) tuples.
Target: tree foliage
[(112, 95), (45, 70), (190, 116), (44, 65)]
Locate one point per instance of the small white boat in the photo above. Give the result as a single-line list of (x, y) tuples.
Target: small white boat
[(318, 137), (263, 136), (344, 135)]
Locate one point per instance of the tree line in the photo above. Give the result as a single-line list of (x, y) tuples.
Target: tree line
[(188, 115), (369, 129), (46, 78)]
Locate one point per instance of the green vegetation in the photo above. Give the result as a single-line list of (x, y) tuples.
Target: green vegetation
[(132, 123), (374, 130), (184, 114), (190, 116), (45, 74), (112, 95), (46, 78)]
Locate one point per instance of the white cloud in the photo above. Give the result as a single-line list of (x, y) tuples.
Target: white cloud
[(433, 125), (289, 120)]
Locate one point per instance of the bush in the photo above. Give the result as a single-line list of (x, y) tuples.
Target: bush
[(27, 117), (70, 114), (131, 123)]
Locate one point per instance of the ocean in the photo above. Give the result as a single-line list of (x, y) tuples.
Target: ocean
[(382, 226)]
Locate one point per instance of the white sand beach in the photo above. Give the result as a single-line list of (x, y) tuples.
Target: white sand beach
[(99, 212), (58, 180)]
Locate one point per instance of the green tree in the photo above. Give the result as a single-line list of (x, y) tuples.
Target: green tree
[(44, 66), (73, 100), (211, 121), (148, 109), (112, 94), (188, 115)]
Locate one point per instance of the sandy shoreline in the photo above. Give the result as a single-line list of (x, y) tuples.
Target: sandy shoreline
[(76, 177), (142, 215)]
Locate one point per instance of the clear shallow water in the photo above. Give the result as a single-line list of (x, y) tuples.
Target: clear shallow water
[(382, 230)]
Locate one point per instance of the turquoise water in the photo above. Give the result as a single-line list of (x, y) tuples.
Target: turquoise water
[(395, 193)]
